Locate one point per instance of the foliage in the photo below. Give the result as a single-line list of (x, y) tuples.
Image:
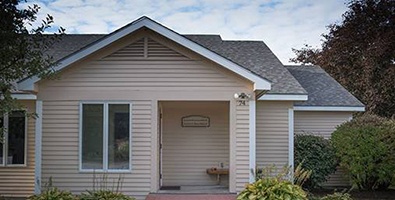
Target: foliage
[(122, 150), (337, 196), (359, 53), (267, 186), (22, 48), (104, 195), (103, 183), (53, 193), (366, 149), (316, 154), (301, 175), (105, 189), (272, 188), (100, 192)]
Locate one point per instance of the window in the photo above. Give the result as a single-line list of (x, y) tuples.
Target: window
[(105, 136), (13, 143)]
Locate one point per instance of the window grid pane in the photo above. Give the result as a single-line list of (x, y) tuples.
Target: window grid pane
[(16, 138), (92, 136), (2, 140), (118, 136)]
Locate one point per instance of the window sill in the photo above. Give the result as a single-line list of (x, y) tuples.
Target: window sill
[(13, 166), (91, 171)]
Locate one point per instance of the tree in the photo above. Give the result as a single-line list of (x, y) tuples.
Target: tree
[(22, 48), (359, 53)]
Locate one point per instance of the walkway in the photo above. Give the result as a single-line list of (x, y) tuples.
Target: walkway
[(191, 197)]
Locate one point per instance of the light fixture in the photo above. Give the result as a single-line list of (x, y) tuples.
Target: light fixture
[(242, 98)]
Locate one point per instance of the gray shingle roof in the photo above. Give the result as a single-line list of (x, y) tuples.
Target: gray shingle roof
[(322, 89), (252, 55), (256, 57), (71, 43)]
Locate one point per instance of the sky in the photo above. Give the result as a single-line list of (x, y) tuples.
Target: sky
[(281, 24)]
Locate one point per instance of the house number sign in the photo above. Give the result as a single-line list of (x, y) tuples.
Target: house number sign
[(195, 121)]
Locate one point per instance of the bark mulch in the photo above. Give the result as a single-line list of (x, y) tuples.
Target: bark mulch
[(361, 195)]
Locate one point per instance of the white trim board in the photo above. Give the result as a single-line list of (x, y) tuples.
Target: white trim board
[(284, 97), (252, 138), (329, 108), (24, 96), (259, 82)]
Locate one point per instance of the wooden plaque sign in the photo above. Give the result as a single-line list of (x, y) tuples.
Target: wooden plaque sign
[(195, 121)]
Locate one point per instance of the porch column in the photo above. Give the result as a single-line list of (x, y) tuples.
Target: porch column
[(232, 146), (155, 177), (38, 146), (252, 138)]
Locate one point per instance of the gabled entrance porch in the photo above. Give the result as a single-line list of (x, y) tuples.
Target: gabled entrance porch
[(194, 140)]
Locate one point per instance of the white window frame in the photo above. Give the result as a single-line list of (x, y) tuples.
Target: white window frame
[(5, 142), (105, 136)]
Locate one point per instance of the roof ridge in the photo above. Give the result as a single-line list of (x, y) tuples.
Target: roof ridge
[(302, 65), (77, 34), (199, 34), (260, 41)]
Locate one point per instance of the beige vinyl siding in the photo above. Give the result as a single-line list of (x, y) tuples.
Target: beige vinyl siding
[(116, 73), (322, 124), (272, 132), (319, 123), (60, 157), (189, 151), (242, 146), (19, 181)]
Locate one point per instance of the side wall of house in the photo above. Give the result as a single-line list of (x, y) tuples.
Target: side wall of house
[(19, 181), (144, 69), (272, 133), (323, 124)]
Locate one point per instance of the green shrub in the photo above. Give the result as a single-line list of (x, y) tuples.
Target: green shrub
[(316, 154), (104, 195), (272, 188), (366, 149), (53, 193), (337, 196)]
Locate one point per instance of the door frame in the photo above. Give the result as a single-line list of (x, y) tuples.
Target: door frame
[(160, 138)]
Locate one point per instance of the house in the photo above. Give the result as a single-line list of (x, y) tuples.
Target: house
[(163, 110)]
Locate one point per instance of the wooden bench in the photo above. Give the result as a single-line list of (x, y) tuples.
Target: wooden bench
[(218, 172)]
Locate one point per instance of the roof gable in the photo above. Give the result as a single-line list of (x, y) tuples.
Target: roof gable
[(259, 82)]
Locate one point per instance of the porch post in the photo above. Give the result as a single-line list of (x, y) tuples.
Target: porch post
[(38, 146), (232, 144), (155, 177), (252, 138)]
